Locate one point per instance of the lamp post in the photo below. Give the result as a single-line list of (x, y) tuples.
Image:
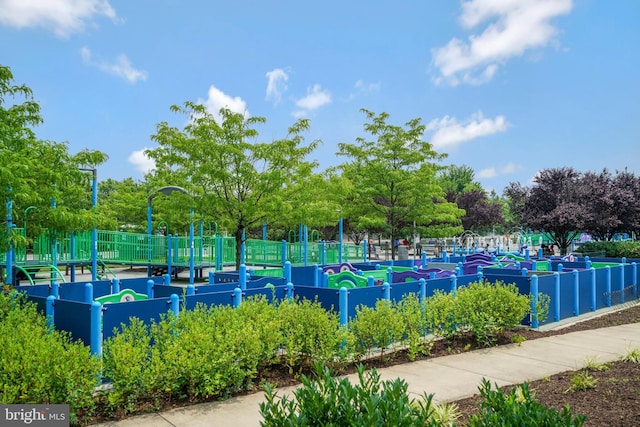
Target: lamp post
[(24, 220), (94, 232), (340, 237)]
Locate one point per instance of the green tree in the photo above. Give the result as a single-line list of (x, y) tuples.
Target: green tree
[(228, 174), (393, 180), (456, 180), (38, 173), (123, 204)]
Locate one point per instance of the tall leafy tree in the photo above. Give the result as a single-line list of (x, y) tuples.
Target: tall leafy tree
[(393, 179), (229, 175), (457, 179), (515, 195), (481, 213), (626, 194), (40, 174), (556, 205), (600, 200)]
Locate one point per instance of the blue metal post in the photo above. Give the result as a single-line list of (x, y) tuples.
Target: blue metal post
[(55, 289), (150, 285), (634, 279), (365, 245), (576, 293), (169, 254), (389, 275), (621, 267), (219, 253), (343, 305), (454, 285), (50, 312), (317, 274), (191, 249), (386, 291), (524, 272), (237, 297), (608, 284), (306, 245), (592, 283), (325, 280), (88, 293), (340, 245), (166, 279), (115, 285), (370, 281), (289, 290), (191, 289), (243, 248), (243, 277), (9, 207), (560, 267), (423, 289), (211, 277), (284, 251), (96, 329), (287, 271), (534, 301), (149, 232), (556, 296), (423, 256), (174, 304), (323, 253), (72, 249)]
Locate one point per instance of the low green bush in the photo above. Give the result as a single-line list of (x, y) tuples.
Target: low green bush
[(415, 326), (41, 365), (519, 408), (377, 328), (329, 401), (440, 314)]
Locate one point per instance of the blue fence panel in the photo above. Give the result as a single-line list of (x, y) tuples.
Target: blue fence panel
[(76, 291), (443, 285), (34, 290), (261, 282), (114, 314), (364, 296), (400, 291), (139, 285), (328, 298), (546, 286), (39, 301), (303, 275), (74, 317), (566, 295), (209, 299), (465, 279), (222, 287), (584, 291), (165, 291), (616, 285), (219, 277), (271, 294), (601, 288)]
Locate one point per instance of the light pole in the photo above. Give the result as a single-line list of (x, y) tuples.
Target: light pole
[(94, 232), (24, 220), (340, 237)]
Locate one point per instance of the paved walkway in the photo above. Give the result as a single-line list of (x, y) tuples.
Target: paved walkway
[(449, 378)]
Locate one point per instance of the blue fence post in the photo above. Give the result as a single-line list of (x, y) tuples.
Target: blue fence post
[(634, 279), (556, 296), (211, 277), (539, 253), (174, 304), (608, 285), (526, 255), (166, 279), (287, 271), (524, 272), (343, 305), (289, 290), (389, 275), (432, 274), (115, 285), (55, 289), (370, 281), (592, 284), (317, 277), (549, 265), (237, 297), (479, 275), (576, 293), (386, 291), (534, 301), (365, 246), (454, 285), (359, 272), (423, 259), (169, 254), (621, 267), (325, 280), (96, 329), (534, 265), (560, 267), (423, 289), (88, 293), (150, 285), (191, 289), (284, 251), (50, 312), (243, 277)]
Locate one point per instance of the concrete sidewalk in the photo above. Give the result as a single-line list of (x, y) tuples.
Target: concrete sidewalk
[(449, 378)]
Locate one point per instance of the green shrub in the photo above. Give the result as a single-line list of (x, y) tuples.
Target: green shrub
[(488, 309), (328, 401), (518, 408), (440, 315), (415, 326), (41, 365), (309, 333), (376, 328)]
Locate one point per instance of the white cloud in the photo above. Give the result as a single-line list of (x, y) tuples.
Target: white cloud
[(507, 169), (62, 17), (316, 98), (121, 67), (276, 84), (448, 132), (217, 100), (141, 162), (363, 87), (515, 26)]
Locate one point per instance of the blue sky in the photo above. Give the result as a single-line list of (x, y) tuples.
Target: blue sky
[(507, 87)]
